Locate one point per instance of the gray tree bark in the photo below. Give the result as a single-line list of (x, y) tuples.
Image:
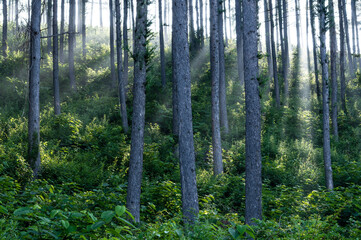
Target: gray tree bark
[(342, 57), (353, 26), (326, 115), (348, 45), (297, 12), (286, 59), (357, 36), (182, 75), (308, 48), (121, 89), (315, 60), (201, 27), (333, 48), (274, 59), (72, 44), (5, 29), (34, 88), (222, 72), (267, 36), (79, 23), (61, 40), (56, 60), (83, 28), (126, 46), (207, 18), (192, 37), (111, 43), (214, 48), (16, 15), (239, 33), (136, 148), (101, 13), (161, 45), (253, 114), (49, 24), (223, 7)]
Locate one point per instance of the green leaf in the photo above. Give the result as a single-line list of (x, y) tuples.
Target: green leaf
[(126, 222), (97, 224), (92, 217), (107, 216), (22, 211), (53, 213), (3, 209), (233, 233), (120, 210), (250, 232), (241, 229), (65, 224), (77, 215)]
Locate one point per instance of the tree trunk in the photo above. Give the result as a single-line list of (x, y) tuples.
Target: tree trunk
[(201, 29), (56, 60), (133, 22), (49, 24), (357, 38), (313, 30), (34, 88), (326, 115), (342, 57), (207, 18), (17, 15), (297, 12), (111, 43), (61, 41), (72, 44), (280, 28), (91, 13), (222, 73), (274, 59), (182, 75), (349, 54), (101, 13), (230, 19), (239, 32), (122, 98), (5, 29), (126, 46), (214, 48), (83, 28), (267, 36), (79, 16), (161, 41), (308, 49), (136, 148), (253, 114), (333, 47), (192, 33), (224, 26), (286, 58)]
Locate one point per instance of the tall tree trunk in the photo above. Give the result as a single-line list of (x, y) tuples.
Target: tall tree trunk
[(101, 13), (307, 27), (342, 57), (165, 21), (126, 46), (136, 147), (353, 26), (239, 32), (56, 60), (207, 18), (61, 41), (297, 11), (121, 89), (175, 123), (161, 46), (17, 15), (133, 22), (201, 27), (223, 7), (192, 33), (349, 54), (357, 39), (230, 19), (333, 47), (214, 48), (79, 17), (34, 88), (313, 30), (222, 72), (111, 43), (280, 28), (197, 16), (253, 114), (326, 115), (72, 44), (5, 29), (91, 13), (182, 75), (267, 36), (49, 24), (286, 58), (274, 58), (83, 28)]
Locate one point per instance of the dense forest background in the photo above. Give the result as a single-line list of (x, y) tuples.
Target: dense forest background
[(180, 120)]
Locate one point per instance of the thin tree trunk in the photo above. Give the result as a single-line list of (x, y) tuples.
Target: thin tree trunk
[(230, 19), (267, 36), (342, 57), (5, 29), (286, 58), (207, 18), (313, 30), (133, 22), (297, 11), (280, 28), (253, 114), (201, 27), (136, 148), (91, 13), (197, 16), (56, 60), (72, 44), (17, 15), (101, 13), (175, 98), (190, 207), (349, 54), (161, 46), (353, 26), (214, 48), (111, 43), (192, 34), (357, 39), (326, 115), (126, 46), (307, 27), (61, 41), (83, 28), (223, 7), (165, 22), (222, 73), (49, 24), (274, 58), (333, 47), (122, 98), (239, 32), (34, 88)]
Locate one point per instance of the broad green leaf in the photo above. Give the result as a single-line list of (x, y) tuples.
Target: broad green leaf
[(77, 215), (107, 216), (22, 211), (120, 210), (233, 233), (241, 229), (53, 213), (97, 224), (65, 224), (3, 209), (125, 221), (92, 217)]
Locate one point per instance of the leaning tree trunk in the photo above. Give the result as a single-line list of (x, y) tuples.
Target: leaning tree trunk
[(326, 115), (333, 48), (111, 43), (161, 45), (5, 29), (274, 58), (56, 60), (315, 60), (253, 114), (239, 33), (121, 89), (342, 58), (61, 41), (222, 73), (34, 88), (72, 44), (136, 147), (181, 68), (214, 48)]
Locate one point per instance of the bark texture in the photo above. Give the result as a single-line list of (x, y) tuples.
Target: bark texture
[(111, 43), (342, 58), (72, 44), (161, 45), (56, 60), (239, 33), (315, 60), (274, 59), (4, 40)]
